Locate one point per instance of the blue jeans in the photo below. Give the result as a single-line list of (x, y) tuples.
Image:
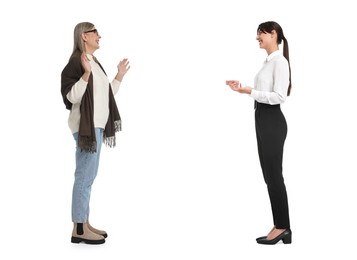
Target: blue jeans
[(86, 171)]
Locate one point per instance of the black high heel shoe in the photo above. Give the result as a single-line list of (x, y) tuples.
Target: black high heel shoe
[(258, 238), (285, 237)]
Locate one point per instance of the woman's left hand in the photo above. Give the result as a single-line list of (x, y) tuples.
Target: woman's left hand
[(123, 68)]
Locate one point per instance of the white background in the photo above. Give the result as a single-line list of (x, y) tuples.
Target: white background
[(184, 181)]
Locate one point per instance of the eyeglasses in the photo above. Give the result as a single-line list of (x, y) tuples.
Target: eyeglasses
[(94, 31)]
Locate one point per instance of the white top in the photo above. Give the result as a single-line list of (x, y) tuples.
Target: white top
[(272, 81), (100, 97)]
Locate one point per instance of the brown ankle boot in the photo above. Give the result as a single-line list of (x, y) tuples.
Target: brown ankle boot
[(97, 231), (81, 233)]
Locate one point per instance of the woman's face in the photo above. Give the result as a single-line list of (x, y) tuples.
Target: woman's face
[(91, 40), (265, 39)]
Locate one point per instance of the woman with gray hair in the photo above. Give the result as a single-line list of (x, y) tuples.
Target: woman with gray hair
[(93, 119)]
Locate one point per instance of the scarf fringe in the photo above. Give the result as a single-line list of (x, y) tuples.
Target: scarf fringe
[(87, 145), (111, 140), (117, 125)]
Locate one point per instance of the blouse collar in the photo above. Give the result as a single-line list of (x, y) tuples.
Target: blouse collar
[(272, 55)]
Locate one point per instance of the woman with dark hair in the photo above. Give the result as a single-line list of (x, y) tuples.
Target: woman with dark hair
[(272, 85), (94, 119)]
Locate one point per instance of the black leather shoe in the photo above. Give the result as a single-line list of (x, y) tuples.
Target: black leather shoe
[(261, 238), (285, 237)]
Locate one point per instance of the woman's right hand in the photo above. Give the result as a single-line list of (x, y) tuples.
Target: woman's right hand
[(86, 66)]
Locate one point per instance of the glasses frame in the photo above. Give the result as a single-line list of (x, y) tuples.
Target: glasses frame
[(93, 31)]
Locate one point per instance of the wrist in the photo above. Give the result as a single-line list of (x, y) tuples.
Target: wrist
[(85, 76), (119, 77)]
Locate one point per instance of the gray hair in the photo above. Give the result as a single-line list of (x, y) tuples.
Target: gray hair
[(77, 36)]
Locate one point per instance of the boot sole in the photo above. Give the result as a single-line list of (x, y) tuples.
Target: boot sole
[(78, 240)]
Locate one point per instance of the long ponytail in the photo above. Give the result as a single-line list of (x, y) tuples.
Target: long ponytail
[(286, 55)]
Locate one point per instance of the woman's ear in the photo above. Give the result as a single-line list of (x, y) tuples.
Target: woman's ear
[(273, 34), (84, 37)]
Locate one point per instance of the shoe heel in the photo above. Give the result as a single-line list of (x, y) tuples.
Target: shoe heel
[(287, 239), (76, 240)]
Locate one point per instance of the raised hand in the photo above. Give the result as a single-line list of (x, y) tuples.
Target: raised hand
[(86, 66), (123, 68), (85, 63)]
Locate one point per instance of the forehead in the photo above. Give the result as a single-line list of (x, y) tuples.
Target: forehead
[(260, 32)]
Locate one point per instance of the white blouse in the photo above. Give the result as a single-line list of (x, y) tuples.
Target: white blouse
[(272, 81)]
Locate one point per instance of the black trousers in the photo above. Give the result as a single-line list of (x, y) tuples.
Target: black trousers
[(271, 131)]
